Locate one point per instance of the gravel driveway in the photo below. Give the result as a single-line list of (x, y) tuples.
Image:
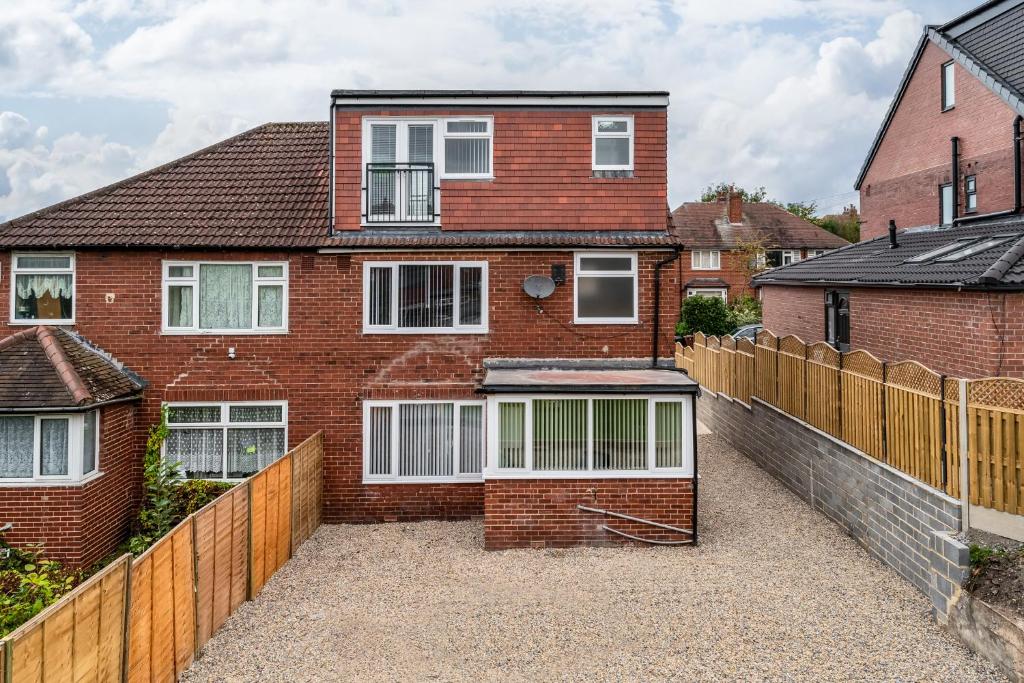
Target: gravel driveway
[(775, 591)]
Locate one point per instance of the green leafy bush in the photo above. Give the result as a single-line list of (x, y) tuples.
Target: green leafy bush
[(745, 310), (192, 495), (707, 314), (28, 584)]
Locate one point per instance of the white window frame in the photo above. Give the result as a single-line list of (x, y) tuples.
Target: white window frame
[(224, 424), (948, 85), (812, 253), (394, 478), (15, 271), (714, 259), (792, 254), (594, 136), (456, 328), (193, 282), (493, 411), (489, 135), (946, 204), (720, 292), (76, 454), (576, 274)]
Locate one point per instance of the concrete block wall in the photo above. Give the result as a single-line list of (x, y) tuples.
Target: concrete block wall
[(899, 520)]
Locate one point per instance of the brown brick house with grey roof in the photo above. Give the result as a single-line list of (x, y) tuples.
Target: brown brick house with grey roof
[(360, 276), (721, 237)]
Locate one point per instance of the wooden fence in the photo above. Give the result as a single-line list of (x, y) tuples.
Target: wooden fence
[(903, 414), (145, 620)]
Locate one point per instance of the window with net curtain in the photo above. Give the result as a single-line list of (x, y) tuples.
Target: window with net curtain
[(225, 296), (229, 441), (48, 446), (43, 287), (423, 440), (591, 434)]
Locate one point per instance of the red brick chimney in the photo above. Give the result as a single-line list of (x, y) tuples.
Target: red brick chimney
[(735, 207)]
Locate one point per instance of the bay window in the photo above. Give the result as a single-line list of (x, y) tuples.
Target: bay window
[(225, 297), (605, 288), (589, 436), (226, 441), (425, 297), (423, 441), (48, 447), (43, 288)]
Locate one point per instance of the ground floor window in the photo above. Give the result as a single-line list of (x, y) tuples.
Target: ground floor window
[(597, 435), (48, 447), (226, 440), (720, 292), (429, 441)]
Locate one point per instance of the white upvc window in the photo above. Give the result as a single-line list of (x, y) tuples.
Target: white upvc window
[(425, 297), (612, 143), (576, 436), (49, 448), (406, 442), (43, 288), (948, 86), (720, 292), (605, 288), (706, 259), (225, 297), (790, 256), (468, 148), (225, 441), (816, 252)]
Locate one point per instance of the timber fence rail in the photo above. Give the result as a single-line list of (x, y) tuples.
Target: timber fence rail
[(145, 620), (902, 414)]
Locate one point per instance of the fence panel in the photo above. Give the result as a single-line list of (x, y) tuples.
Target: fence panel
[(996, 443), (163, 620), (743, 379), (307, 487), (792, 381), (271, 515), (862, 401), (822, 386), (713, 356), (222, 557), (913, 415), (700, 343), (78, 638), (766, 367), (727, 366)]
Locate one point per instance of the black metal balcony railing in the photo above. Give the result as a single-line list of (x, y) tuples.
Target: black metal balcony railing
[(400, 193)]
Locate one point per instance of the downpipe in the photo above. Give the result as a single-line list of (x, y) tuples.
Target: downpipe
[(656, 328)]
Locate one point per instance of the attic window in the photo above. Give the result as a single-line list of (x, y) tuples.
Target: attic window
[(976, 248)]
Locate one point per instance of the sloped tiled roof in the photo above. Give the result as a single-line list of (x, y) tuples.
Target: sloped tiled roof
[(704, 225), (427, 238), (49, 367), (874, 263), (266, 187), (987, 43)]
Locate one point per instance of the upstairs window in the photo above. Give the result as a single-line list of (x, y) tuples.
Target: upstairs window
[(48, 447), (703, 259), (43, 288), (225, 298), (467, 148), (606, 288), (225, 441), (613, 143), (425, 297), (971, 194), (948, 87), (946, 204)]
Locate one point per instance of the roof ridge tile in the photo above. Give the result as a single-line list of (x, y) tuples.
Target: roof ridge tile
[(65, 369)]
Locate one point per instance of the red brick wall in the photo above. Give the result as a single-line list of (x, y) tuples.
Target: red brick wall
[(733, 271), (542, 173), (326, 366), (81, 524), (520, 513), (913, 159), (963, 334)]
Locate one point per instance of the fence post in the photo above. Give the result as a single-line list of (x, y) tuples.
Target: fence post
[(775, 389), (8, 673), (942, 432), (965, 497), (885, 417), (126, 630), (839, 398)]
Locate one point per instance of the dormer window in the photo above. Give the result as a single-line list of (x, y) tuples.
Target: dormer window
[(948, 87), (613, 143), (467, 148)]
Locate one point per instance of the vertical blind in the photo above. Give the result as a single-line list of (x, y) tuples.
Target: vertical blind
[(668, 434), (471, 440), (560, 434), (421, 439), (428, 296), (425, 438), (620, 434)]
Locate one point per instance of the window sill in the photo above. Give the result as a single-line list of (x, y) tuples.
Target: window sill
[(945, 109), (49, 483), (423, 480), (415, 330), (711, 269), (612, 173), (399, 224), (628, 474), (605, 321), (220, 333), (484, 178), (33, 323)]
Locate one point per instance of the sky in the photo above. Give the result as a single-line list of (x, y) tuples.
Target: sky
[(786, 94)]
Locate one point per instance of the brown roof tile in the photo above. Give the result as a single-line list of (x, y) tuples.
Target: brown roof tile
[(704, 225)]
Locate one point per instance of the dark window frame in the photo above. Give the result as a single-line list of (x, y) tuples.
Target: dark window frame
[(970, 192), (837, 319)]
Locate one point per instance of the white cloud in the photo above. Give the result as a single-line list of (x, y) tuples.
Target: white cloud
[(38, 42)]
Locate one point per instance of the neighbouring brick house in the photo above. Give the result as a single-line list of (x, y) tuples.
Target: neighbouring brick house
[(942, 181), (365, 276), (727, 241)]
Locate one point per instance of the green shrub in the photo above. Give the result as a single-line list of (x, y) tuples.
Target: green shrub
[(192, 495), (28, 584), (159, 479), (745, 310), (980, 554), (707, 314)]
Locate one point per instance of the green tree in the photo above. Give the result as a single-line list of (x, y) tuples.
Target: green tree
[(806, 210), (160, 479), (712, 192), (707, 314)]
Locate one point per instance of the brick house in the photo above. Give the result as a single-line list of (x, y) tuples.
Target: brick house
[(365, 277), (942, 181), (722, 238)]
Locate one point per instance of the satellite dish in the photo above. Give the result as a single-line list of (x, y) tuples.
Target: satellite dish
[(539, 286)]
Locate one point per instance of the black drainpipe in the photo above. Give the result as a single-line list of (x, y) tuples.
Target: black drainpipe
[(657, 304), (1018, 195), (955, 171)]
